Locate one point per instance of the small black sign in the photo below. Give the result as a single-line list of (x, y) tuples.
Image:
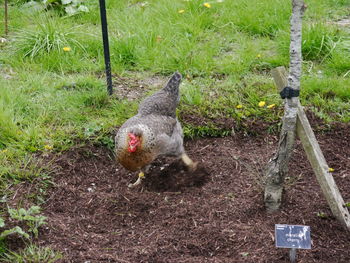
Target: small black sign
[(291, 236)]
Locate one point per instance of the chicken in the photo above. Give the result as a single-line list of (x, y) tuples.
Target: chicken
[(154, 131)]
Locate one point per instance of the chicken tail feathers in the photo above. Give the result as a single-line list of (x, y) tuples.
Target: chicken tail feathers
[(164, 101), (173, 84)]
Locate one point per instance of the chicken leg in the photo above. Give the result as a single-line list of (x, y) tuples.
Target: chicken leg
[(141, 176), (192, 166)]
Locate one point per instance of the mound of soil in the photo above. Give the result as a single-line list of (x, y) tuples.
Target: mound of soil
[(174, 177), (215, 214)]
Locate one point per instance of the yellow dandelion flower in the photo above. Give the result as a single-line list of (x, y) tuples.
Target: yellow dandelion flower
[(207, 5), (48, 147), (262, 103), (258, 56), (271, 106), (159, 39), (67, 49), (331, 169), (181, 11), (239, 106)]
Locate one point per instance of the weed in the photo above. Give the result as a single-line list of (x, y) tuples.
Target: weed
[(32, 253), (92, 129), (31, 217), (107, 141), (15, 230), (49, 36), (63, 7), (322, 215)]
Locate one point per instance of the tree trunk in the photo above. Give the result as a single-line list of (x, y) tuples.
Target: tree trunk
[(277, 167)]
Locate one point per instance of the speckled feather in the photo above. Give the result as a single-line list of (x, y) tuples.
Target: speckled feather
[(156, 124), (163, 102)]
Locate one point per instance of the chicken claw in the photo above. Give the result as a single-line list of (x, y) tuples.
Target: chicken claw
[(192, 166), (138, 181)]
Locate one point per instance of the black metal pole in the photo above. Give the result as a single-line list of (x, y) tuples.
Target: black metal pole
[(293, 255), (106, 46), (6, 19)]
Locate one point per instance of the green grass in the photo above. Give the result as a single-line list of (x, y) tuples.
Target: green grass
[(32, 253), (52, 99)]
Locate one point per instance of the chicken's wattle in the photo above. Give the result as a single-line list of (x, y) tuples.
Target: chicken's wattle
[(134, 141)]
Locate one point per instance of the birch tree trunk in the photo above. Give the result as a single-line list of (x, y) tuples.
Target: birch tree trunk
[(277, 167)]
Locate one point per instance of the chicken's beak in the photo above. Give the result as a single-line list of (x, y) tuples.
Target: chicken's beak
[(132, 148)]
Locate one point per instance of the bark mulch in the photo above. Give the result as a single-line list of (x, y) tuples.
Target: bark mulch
[(215, 214)]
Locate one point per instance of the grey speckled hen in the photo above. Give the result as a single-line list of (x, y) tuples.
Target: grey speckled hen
[(153, 131)]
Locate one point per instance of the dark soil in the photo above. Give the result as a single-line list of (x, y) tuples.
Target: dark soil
[(215, 214)]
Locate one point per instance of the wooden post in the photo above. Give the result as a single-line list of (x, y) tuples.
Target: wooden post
[(315, 156), (321, 169), (277, 167)]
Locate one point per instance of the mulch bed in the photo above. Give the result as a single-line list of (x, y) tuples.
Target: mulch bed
[(215, 214)]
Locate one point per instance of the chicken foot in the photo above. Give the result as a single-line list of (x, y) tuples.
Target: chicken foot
[(141, 176), (192, 166)]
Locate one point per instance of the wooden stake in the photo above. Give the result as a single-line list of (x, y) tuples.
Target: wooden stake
[(321, 169), (277, 167), (316, 157)]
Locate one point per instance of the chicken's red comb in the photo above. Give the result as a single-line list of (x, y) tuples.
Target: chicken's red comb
[(132, 136)]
